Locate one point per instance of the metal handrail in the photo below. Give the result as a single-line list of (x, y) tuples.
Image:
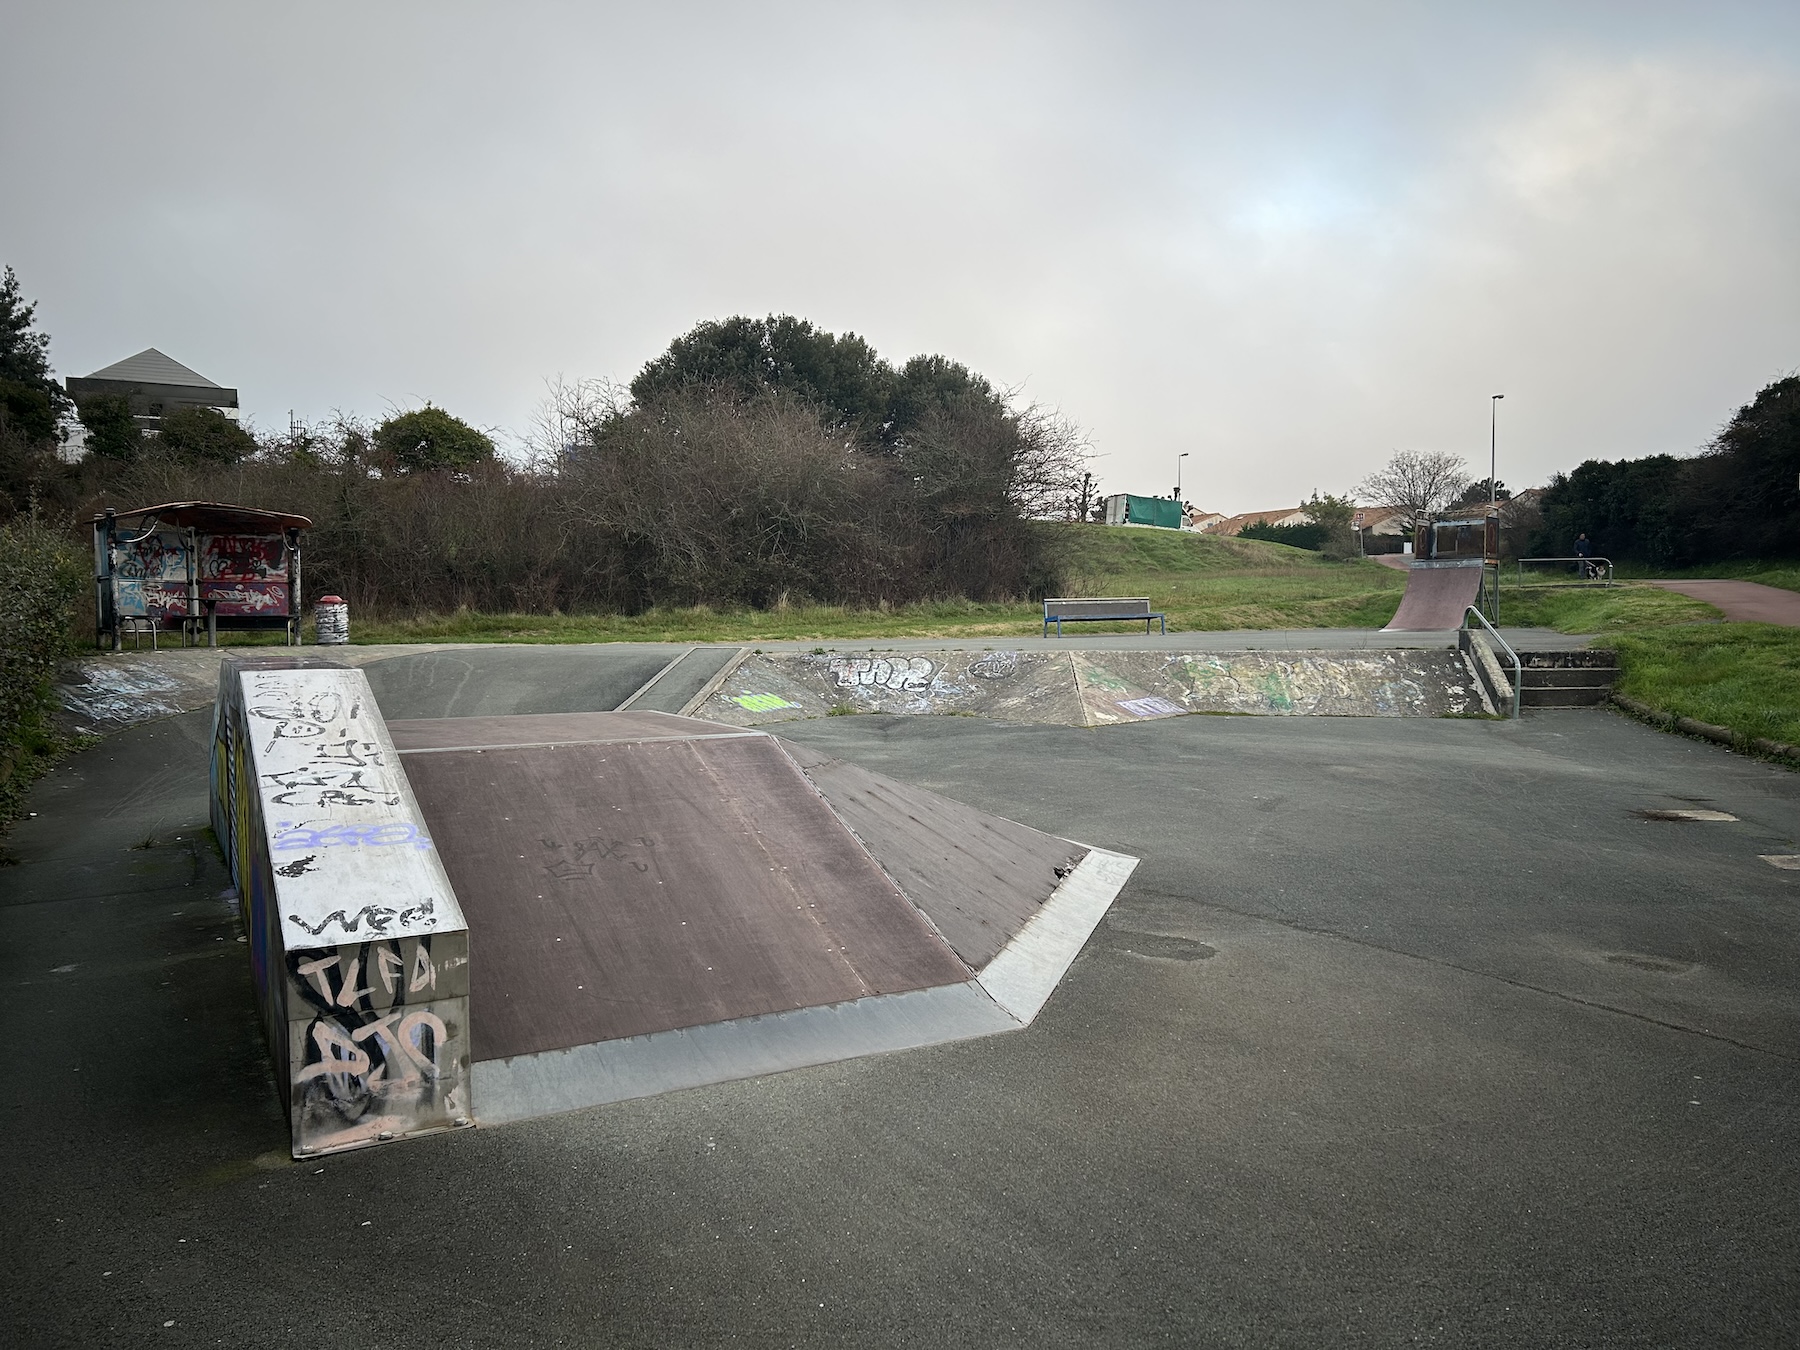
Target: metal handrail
[(1518, 665), (1607, 580)]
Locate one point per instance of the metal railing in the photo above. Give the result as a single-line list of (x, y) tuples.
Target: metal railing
[(1596, 569), (1518, 665)]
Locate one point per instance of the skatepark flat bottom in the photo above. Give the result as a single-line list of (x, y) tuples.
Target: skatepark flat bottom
[(659, 893)]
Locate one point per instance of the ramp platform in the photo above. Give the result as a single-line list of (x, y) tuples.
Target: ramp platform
[(660, 902), (1439, 592), (489, 918)]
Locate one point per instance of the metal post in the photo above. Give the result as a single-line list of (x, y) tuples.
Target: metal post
[(294, 610), (190, 621), (1493, 448)]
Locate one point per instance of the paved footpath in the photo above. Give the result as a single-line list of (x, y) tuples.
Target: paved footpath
[(1743, 601)]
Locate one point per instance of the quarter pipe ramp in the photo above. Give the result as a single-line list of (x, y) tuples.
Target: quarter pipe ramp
[(1439, 592)]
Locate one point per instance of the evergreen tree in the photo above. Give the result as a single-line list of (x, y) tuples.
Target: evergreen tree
[(30, 395), (430, 438)]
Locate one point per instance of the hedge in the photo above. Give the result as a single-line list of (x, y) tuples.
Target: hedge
[(41, 577)]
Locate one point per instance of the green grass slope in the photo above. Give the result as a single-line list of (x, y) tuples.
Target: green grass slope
[(1202, 582)]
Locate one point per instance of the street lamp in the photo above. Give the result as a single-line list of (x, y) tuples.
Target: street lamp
[(1183, 455), (1493, 446)]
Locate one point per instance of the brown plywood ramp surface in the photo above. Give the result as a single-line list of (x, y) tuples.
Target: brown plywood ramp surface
[(1438, 594), (661, 902), (616, 890), (978, 877), (545, 729)]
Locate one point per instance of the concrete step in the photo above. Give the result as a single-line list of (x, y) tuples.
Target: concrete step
[(1580, 696), (1569, 660), (1570, 677)]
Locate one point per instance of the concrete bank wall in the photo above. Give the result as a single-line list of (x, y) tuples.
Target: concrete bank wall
[(358, 948), (1073, 688)]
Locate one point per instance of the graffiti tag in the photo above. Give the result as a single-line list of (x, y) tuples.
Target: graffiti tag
[(294, 837), (995, 665), (379, 918), (881, 672)]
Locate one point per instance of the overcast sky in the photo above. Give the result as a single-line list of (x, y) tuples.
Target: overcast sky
[(1285, 238)]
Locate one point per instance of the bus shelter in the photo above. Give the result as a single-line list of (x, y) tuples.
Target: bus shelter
[(197, 567)]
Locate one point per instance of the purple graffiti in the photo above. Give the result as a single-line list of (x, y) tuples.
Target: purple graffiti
[(291, 837)]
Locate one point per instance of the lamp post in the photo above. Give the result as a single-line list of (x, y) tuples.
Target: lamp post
[(1183, 455), (1493, 447)]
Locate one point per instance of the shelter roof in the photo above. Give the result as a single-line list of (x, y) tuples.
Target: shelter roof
[(153, 367), (217, 516)]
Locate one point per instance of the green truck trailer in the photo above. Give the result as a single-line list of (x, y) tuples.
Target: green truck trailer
[(1126, 508)]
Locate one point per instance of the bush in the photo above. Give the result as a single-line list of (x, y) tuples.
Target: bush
[(703, 499), (204, 434), (430, 438), (112, 431), (41, 578), (1307, 536)]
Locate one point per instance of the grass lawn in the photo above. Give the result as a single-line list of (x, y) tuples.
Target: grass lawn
[(1202, 583), (1744, 676), (1596, 609)]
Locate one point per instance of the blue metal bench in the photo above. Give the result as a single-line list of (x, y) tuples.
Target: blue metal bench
[(1103, 610)]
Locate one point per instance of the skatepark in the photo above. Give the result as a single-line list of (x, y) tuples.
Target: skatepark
[(1404, 1027)]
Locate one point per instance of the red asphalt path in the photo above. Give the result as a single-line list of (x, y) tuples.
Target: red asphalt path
[(1743, 601), (1738, 601)]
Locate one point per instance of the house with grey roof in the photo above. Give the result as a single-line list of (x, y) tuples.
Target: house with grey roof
[(153, 384)]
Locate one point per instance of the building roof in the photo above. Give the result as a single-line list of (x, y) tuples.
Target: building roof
[(1286, 516), (218, 517), (152, 367)]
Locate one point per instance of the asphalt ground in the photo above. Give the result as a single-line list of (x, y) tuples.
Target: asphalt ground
[(1406, 1031)]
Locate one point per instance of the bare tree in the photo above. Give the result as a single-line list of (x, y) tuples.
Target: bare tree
[(1049, 464), (1419, 483), (566, 417)]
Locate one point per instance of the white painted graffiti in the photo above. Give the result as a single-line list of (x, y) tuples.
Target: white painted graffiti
[(408, 1042), (995, 665), (393, 970), (880, 672), (1150, 707)]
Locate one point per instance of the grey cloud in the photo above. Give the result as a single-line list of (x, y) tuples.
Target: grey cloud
[(1288, 239)]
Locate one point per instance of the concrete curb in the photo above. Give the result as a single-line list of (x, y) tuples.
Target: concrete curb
[(1760, 745)]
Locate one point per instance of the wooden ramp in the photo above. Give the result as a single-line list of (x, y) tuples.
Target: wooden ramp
[(657, 902), (1438, 594)]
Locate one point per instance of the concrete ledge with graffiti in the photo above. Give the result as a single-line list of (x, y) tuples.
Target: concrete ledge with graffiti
[(1098, 688), (110, 691), (358, 948)]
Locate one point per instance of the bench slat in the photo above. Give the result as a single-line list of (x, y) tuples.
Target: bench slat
[(1131, 607)]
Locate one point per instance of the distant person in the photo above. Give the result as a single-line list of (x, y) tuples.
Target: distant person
[(1584, 549)]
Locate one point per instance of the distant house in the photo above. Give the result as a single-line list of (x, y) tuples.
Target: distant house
[(1379, 520), (1233, 525), (1202, 521), (154, 384)]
